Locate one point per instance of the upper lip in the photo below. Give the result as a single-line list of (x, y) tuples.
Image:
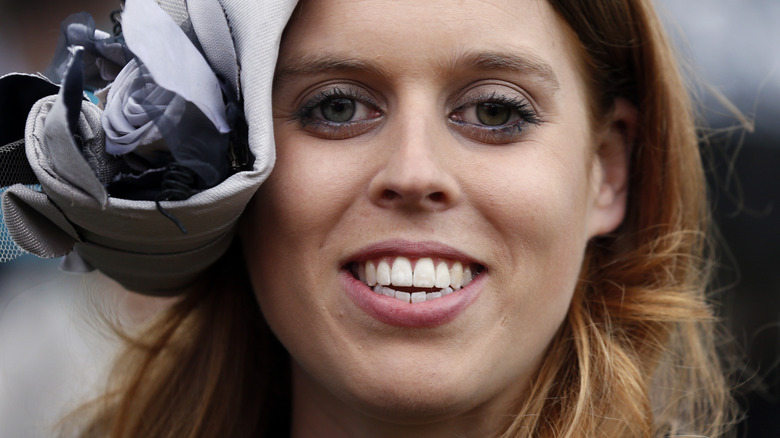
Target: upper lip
[(411, 249)]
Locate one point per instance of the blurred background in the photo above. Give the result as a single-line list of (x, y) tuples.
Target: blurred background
[(733, 51), (733, 47)]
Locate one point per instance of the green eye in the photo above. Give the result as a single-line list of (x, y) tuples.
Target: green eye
[(493, 114), (338, 110)]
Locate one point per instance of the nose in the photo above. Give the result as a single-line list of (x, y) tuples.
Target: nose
[(416, 174)]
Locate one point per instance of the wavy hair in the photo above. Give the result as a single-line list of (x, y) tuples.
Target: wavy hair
[(635, 357)]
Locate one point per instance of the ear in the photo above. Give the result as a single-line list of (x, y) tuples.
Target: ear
[(610, 173)]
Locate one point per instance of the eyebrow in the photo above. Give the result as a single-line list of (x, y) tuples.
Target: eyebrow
[(524, 64), (319, 64), (527, 63)]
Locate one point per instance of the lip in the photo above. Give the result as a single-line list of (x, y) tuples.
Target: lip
[(397, 313), (409, 249)]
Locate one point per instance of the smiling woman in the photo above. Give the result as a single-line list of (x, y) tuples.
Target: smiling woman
[(446, 145), (484, 220)]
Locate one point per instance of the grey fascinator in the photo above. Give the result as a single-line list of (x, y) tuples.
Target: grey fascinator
[(138, 150)]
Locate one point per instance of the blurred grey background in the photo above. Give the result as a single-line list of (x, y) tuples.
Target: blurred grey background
[(732, 48)]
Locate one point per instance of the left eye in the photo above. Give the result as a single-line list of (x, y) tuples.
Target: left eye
[(490, 114), (493, 114)]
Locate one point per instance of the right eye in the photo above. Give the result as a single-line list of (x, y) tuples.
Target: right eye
[(341, 110), (338, 114)]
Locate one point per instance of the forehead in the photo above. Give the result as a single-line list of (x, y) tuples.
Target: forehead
[(417, 37)]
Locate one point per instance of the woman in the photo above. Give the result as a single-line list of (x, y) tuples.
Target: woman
[(483, 220)]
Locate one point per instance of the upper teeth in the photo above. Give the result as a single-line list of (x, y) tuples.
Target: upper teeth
[(426, 273)]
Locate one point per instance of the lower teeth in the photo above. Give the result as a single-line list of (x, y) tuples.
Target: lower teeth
[(413, 297)]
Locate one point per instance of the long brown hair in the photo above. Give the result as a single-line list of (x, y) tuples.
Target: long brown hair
[(634, 358)]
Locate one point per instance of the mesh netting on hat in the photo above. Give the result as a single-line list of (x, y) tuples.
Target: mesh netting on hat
[(8, 249), (15, 169), (18, 93)]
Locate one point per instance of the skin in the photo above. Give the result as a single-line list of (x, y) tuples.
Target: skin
[(416, 164)]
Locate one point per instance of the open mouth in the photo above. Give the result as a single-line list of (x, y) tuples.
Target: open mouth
[(415, 280)]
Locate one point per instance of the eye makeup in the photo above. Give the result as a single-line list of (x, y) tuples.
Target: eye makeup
[(493, 117), (339, 112), (487, 113)]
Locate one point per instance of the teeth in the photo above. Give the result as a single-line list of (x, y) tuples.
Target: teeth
[(442, 275), (403, 296), (466, 276), (362, 274), (427, 273), (414, 297), (402, 272), (424, 273), (370, 271), (456, 276), (383, 273), (418, 297), (382, 290), (432, 296)]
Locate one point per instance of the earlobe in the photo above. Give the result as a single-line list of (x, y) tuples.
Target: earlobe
[(611, 168)]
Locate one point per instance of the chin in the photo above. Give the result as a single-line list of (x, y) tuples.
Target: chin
[(422, 395), (412, 402)]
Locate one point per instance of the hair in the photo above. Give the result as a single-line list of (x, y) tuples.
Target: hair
[(635, 357)]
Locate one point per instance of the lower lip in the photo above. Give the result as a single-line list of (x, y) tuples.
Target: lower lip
[(419, 315)]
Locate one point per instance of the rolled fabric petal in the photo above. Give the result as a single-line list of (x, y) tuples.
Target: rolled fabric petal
[(104, 54), (60, 153), (126, 239), (139, 114), (134, 101), (213, 32), (253, 24), (36, 224), (172, 60)]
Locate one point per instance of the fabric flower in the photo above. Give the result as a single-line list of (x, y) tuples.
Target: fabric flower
[(79, 213), (167, 105), (104, 54), (135, 103)]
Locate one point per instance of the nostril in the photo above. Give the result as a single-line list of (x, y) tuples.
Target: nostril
[(389, 195), (436, 196)]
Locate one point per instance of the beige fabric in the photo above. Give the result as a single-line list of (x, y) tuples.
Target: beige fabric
[(130, 240)]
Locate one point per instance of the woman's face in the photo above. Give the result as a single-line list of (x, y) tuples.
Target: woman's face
[(415, 141)]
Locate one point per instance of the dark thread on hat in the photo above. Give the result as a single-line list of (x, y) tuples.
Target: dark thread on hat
[(177, 185)]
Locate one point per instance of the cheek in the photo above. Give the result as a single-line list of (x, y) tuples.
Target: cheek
[(304, 193), (312, 184), (287, 225), (536, 203), (538, 200)]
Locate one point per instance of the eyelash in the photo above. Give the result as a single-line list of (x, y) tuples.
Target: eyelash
[(507, 133), (337, 130)]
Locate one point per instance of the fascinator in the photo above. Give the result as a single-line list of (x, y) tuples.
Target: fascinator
[(138, 150)]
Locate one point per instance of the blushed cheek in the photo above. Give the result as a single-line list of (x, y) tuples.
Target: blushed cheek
[(542, 221), (312, 183)]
